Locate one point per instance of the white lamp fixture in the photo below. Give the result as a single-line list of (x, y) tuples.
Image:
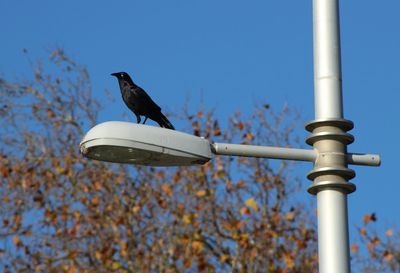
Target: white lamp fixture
[(124, 142)]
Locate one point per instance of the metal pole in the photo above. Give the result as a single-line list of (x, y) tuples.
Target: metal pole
[(330, 140)]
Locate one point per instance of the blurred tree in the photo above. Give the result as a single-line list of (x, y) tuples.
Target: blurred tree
[(63, 213), (376, 251)]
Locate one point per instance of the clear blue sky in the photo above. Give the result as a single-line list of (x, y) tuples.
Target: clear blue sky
[(230, 54)]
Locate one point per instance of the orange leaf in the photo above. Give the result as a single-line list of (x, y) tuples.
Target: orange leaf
[(251, 203), (197, 246), (186, 219), (224, 258), (217, 131), (240, 125), (201, 193), (162, 203), (98, 255), (95, 201), (97, 186), (290, 216), (289, 260), (375, 241), (369, 217), (389, 232), (177, 176), (363, 232), (388, 256), (167, 189), (249, 136), (245, 211), (354, 248), (136, 209), (50, 113), (17, 241)]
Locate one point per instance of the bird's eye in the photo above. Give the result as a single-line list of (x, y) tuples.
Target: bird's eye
[(122, 75)]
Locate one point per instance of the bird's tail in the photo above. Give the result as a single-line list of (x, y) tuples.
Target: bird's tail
[(164, 122)]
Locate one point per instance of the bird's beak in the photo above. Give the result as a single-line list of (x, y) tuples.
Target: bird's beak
[(114, 74)]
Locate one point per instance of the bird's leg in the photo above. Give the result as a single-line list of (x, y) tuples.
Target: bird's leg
[(145, 120), (138, 118)]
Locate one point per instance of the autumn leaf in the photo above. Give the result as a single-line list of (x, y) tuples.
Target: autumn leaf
[(167, 189), (17, 241), (370, 247), (289, 260), (95, 201), (98, 255), (186, 219), (375, 241), (162, 203), (135, 209), (201, 193), (354, 248), (217, 131), (50, 113), (177, 177), (197, 246), (97, 186), (363, 232), (389, 232), (224, 258), (249, 136), (245, 211), (290, 216), (115, 265), (369, 217), (251, 203), (388, 256), (240, 125)]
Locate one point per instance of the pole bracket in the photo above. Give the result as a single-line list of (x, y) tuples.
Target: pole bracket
[(330, 168)]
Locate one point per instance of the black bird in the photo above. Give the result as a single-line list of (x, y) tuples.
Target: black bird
[(139, 102)]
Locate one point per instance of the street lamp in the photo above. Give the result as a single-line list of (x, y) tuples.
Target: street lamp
[(125, 142), (140, 144)]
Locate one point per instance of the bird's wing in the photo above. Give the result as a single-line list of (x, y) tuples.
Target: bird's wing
[(145, 99)]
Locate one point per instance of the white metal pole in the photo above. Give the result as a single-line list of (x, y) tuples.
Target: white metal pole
[(327, 60), (330, 139)]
